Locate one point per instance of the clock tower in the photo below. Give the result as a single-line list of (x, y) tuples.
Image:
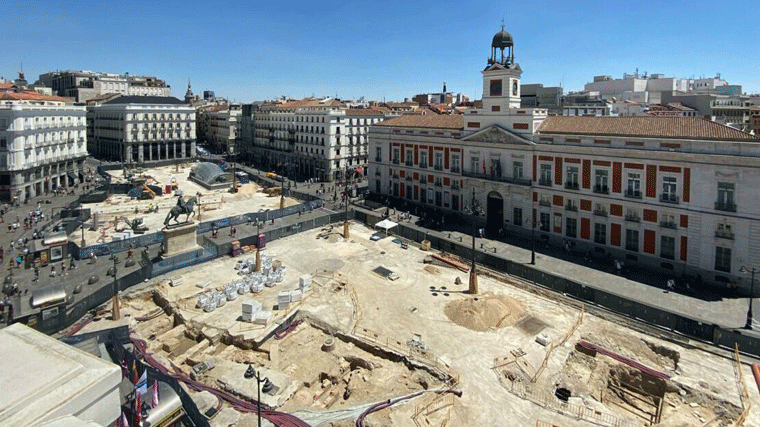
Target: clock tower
[(501, 78)]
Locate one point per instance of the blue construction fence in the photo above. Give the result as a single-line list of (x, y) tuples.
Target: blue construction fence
[(117, 246)]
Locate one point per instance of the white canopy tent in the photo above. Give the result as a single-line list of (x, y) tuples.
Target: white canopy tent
[(386, 225)]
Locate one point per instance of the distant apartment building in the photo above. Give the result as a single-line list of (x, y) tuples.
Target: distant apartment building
[(649, 88), (217, 126), (725, 109), (139, 129), (42, 143), (308, 138), (537, 96), (84, 85), (446, 98)]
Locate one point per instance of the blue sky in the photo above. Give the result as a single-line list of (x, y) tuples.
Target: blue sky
[(253, 50)]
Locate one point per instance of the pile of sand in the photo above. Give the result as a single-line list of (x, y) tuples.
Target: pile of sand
[(248, 189), (484, 312)]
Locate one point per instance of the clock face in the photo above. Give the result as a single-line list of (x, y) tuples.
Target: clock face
[(514, 87), (495, 88)]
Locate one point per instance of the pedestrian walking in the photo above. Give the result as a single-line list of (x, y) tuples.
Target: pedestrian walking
[(52, 270)]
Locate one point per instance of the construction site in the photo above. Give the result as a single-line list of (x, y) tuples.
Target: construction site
[(373, 330), (141, 209)]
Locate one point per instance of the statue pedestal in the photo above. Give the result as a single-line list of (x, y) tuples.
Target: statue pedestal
[(179, 240)]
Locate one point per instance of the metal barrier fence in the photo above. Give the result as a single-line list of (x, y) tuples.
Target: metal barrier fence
[(549, 401), (117, 246), (259, 216), (184, 260)]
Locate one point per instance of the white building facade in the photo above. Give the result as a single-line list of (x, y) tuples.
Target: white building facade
[(677, 194), (220, 126), (139, 129), (42, 144), (312, 138)]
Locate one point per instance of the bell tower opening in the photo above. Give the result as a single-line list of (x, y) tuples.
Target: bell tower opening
[(501, 77)]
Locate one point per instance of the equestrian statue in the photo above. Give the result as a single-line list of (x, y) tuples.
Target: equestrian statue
[(182, 207)]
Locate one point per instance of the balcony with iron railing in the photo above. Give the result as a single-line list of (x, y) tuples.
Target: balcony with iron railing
[(408, 178), (438, 167), (723, 234), (725, 206), (669, 224), (455, 169), (601, 189), (409, 163), (632, 218), (600, 212), (378, 159), (423, 180), (423, 165), (395, 161), (633, 193), (631, 247), (509, 180), (545, 181), (571, 207), (571, 185), (669, 198), (438, 183), (455, 185), (547, 203)]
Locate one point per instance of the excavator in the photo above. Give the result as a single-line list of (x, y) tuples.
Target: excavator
[(136, 224)]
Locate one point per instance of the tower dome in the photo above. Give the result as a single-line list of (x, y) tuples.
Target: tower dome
[(502, 39)]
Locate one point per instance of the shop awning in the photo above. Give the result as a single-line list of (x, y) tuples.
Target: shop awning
[(53, 239)]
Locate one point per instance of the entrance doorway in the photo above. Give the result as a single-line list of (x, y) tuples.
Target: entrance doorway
[(494, 213)]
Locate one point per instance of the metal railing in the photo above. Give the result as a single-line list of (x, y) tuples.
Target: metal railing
[(634, 194), (725, 206), (571, 207), (600, 212), (547, 203), (601, 189), (669, 224), (633, 218), (571, 185), (668, 198), (724, 234), (545, 181)]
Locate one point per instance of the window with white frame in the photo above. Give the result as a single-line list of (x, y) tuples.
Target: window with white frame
[(455, 163), (546, 174), (633, 188), (517, 169)]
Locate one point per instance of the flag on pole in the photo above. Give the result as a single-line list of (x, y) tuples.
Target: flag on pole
[(154, 402), (135, 375), (141, 387), (138, 410), (123, 422)]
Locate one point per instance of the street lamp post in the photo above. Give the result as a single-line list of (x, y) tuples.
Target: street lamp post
[(743, 269), (251, 373), (115, 312), (258, 246), (475, 210)]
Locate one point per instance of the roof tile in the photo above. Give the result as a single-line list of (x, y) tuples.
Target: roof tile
[(651, 127)]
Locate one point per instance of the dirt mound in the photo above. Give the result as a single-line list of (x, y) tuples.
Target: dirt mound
[(484, 312)]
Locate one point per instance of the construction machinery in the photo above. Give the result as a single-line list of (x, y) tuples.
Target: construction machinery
[(137, 225)]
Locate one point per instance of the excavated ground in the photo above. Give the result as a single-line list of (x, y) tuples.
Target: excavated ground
[(394, 337)]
